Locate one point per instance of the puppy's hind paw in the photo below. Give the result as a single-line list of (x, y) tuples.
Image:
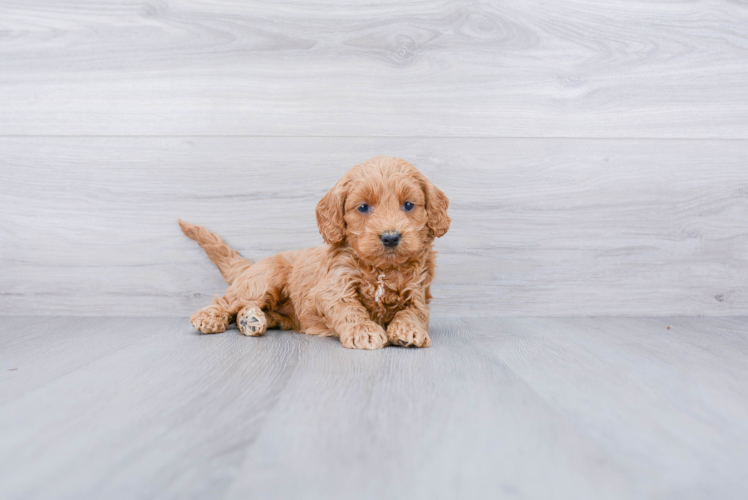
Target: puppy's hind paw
[(210, 321), (251, 321)]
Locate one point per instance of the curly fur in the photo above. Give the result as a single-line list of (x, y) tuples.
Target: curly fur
[(354, 287)]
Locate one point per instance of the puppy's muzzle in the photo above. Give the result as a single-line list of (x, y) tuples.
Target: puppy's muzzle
[(390, 239)]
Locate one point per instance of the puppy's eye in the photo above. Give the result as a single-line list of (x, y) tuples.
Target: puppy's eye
[(363, 208), (408, 206)]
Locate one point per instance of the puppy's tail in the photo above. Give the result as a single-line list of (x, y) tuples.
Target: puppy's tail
[(228, 260)]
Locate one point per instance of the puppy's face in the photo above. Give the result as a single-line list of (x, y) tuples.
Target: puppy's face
[(385, 210)]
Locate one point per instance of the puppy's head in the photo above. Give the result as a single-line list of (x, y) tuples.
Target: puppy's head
[(385, 210)]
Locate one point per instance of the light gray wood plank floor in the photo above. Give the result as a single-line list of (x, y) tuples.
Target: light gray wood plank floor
[(497, 408)]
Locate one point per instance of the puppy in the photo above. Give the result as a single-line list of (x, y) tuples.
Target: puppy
[(369, 285)]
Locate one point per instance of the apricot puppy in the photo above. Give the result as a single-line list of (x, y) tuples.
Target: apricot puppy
[(369, 285)]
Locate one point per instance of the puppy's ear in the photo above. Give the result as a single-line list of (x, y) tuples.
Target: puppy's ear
[(330, 213), (436, 208)]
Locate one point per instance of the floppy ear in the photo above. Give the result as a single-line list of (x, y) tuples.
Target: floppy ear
[(330, 213), (436, 208)]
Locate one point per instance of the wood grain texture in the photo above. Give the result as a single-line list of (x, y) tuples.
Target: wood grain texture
[(519, 68), (71, 347), (498, 407), (540, 227)]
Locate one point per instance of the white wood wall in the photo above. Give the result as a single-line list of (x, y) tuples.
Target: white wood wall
[(595, 152)]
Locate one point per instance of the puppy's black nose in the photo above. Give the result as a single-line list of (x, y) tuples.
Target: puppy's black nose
[(390, 239)]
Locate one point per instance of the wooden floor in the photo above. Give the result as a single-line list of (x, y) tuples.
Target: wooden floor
[(497, 408)]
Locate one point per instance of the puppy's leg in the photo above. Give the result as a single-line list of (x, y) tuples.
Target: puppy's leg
[(362, 333), (281, 321), (410, 327), (350, 320), (251, 320), (257, 289), (214, 318)]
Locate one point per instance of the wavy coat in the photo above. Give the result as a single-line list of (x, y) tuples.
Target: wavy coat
[(369, 284)]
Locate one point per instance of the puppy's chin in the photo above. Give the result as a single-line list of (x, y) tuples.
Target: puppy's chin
[(384, 258), (373, 252)]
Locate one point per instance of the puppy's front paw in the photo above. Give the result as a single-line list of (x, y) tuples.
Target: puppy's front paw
[(210, 321), (407, 334), (252, 321), (364, 336)]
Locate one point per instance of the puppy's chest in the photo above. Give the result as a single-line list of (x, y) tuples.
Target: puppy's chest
[(384, 296)]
